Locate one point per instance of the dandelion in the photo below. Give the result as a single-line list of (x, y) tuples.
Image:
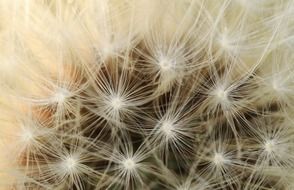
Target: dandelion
[(146, 94)]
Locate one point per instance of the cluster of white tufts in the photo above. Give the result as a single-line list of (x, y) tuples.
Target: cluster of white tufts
[(147, 94)]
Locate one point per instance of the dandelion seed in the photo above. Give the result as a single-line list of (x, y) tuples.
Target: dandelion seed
[(221, 94), (269, 145), (276, 81), (27, 135), (225, 43), (70, 164), (60, 96), (116, 102), (129, 164), (276, 86), (167, 128), (219, 159), (165, 64)]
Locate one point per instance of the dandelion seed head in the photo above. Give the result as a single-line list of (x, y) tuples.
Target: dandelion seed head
[(136, 95)]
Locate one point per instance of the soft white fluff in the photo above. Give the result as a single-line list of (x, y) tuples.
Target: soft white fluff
[(147, 94)]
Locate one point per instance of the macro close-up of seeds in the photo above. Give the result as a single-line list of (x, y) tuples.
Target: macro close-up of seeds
[(146, 95)]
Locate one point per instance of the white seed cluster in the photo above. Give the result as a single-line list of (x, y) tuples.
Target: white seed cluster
[(147, 94)]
